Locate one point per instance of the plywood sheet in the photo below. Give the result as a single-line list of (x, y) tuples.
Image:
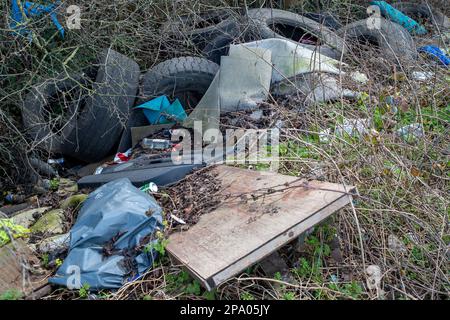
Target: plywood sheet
[(261, 212)]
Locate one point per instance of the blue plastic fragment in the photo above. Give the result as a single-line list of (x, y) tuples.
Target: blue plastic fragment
[(161, 111), (32, 9), (437, 53), (119, 216), (398, 17)]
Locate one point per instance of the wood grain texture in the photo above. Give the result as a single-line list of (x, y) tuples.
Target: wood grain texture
[(246, 228)]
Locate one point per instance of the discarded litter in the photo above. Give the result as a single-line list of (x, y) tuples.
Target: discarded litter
[(56, 161), (149, 187), (55, 243), (161, 111), (13, 198), (398, 17), (158, 144), (213, 256), (422, 75), (436, 53), (32, 9), (411, 132), (109, 241), (324, 135), (396, 245), (179, 220), (359, 77), (8, 229), (353, 127), (121, 157), (374, 276)]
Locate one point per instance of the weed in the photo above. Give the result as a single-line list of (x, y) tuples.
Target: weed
[(247, 296), (83, 293), (54, 184), (12, 294)]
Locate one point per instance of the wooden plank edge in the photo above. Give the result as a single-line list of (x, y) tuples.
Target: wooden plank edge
[(278, 242), (257, 254)]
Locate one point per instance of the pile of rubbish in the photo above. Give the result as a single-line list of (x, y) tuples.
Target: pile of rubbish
[(119, 127)]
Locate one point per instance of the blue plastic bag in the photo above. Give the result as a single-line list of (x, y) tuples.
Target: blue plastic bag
[(118, 215), (436, 52), (31, 9), (398, 17), (156, 110)]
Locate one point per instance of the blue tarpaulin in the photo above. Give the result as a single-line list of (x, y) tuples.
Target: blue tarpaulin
[(161, 111), (437, 53), (118, 217), (31, 9)]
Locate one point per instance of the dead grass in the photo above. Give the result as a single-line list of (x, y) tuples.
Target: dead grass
[(399, 222)]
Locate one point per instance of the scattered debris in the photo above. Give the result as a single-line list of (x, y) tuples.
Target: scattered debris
[(21, 270), (161, 111), (398, 17), (353, 127), (396, 245), (436, 53), (51, 223), (262, 211), (54, 244), (374, 279), (196, 195), (9, 230), (411, 132), (28, 217), (116, 213), (30, 10), (423, 75)]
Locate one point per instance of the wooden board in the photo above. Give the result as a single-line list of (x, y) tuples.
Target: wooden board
[(250, 224), (16, 262)]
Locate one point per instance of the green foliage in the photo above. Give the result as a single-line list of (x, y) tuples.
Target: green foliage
[(182, 282), (277, 276), (289, 296), (434, 119), (58, 262), (84, 291), (159, 246), (247, 296), (45, 260), (352, 289), (209, 295), (297, 149), (54, 184), (193, 288), (12, 294)]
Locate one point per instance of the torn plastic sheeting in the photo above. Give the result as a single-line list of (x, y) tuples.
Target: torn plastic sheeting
[(161, 111), (317, 87), (258, 63), (328, 89), (398, 17), (117, 209), (32, 9), (253, 84), (207, 110), (290, 59), (228, 92), (437, 53), (9, 229)]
